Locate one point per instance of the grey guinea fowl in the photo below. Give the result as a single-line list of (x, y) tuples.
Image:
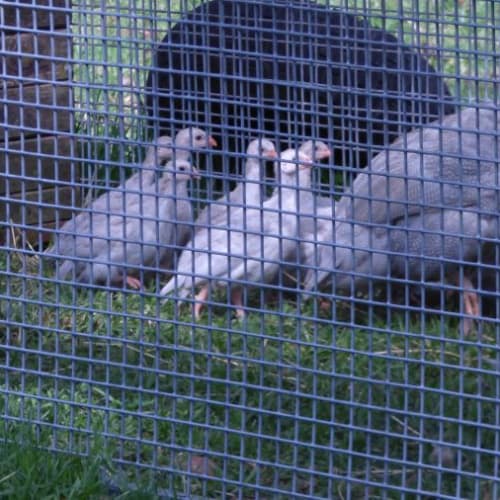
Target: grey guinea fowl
[(431, 196), (115, 201), (157, 154), (111, 248), (247, 192), (250, 249), (315, 217)]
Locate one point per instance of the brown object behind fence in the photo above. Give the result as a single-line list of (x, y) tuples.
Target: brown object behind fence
[(36, 122)]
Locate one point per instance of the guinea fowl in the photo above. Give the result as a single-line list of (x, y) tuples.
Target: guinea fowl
[(247, 192), (109, 248), (422, 210), (315, 212), (186, 141), (251, 249), (116, 201)]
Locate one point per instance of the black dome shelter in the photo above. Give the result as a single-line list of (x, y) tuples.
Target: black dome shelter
[(290, 70)]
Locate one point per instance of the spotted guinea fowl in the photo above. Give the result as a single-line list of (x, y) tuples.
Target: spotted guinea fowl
[(247, 192), (250, 250), (112, 248), (422, 210)]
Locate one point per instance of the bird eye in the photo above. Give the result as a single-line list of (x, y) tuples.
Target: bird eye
[(198, 138)]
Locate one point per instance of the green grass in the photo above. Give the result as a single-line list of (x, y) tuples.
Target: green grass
[(305, 392), (28, 472), (126, 381)]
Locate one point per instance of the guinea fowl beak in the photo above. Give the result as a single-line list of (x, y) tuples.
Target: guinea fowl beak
[(212, 142), (271, 155), (325, 153)]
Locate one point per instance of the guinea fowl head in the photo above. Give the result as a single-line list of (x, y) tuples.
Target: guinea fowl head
[(192, 139), (316, 150), (291, 161), (181, 170), (159, 152), (293, 169), (262, 148)]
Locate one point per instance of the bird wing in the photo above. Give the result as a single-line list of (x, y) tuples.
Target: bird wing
[(449, 164)]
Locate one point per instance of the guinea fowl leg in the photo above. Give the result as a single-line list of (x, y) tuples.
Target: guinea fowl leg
[(200, 299), (237, 300), (471, 304)]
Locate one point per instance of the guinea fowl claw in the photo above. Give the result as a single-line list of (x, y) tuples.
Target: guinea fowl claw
[(134, 283), (197, 308), (467, 325), (237, 300), (325, 306), (200, 299), (471, 303)]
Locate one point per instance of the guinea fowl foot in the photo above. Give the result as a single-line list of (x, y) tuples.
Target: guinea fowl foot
[(134, 283), (240, 314), (237, 300), (325, 306), (471, 306), (200, 299)]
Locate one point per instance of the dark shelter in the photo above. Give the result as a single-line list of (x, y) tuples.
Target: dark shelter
[(290, 71)]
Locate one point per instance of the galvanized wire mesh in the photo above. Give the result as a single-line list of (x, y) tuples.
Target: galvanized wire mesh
[(369, 369)]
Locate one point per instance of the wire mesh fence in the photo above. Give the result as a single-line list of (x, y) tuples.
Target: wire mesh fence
[(249, 247)]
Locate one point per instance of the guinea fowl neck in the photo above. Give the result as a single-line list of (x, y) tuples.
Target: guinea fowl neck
[(150, 159), (253, 182), (290, 187), (178, 187), (182, 153), (154, 157)]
